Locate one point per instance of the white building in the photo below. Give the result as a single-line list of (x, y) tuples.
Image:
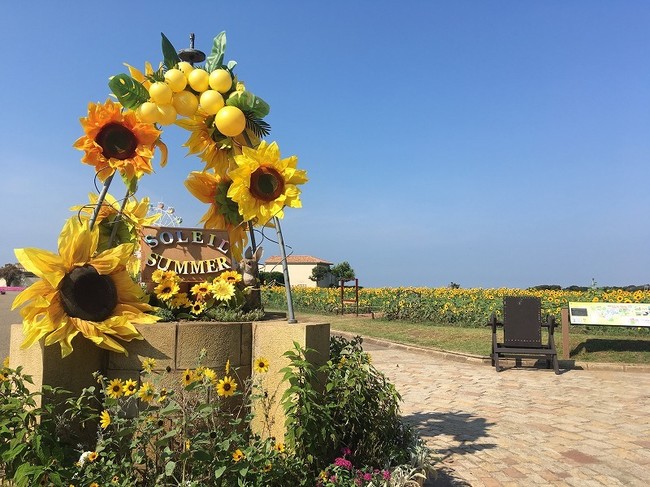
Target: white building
[(300, 268)]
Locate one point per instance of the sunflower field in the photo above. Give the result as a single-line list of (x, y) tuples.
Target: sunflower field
[(444, 306)]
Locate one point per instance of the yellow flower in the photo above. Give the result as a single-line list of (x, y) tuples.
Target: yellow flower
[(227, 367), (201, 290), (268, 467), (202, 144), (210, 374), (117, 141), (148, 364), (188, 443), (238, 455), (159, 276), (130, 387), (233, 277), (166, 289), (115, 389), (115, 479), (223, 213), (80, 292), (105, 419), (197, 308), (261, 365), (226, 386), (4, 375), (180, 300), (263, 184), (94, 484), (5, 362), (134, 212), (163, 395), (222, 290), (188, 377), (279, 446), (93, 456), (146, 392)]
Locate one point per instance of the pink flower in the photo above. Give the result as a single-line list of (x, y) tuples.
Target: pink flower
[(345, 451), (385, 474), (342, 462), (367, 476)]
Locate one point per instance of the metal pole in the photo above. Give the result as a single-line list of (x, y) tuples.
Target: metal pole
[(251, 231), (100, 200), (118, 218), (285, 269)]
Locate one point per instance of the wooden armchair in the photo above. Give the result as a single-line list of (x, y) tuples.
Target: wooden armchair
[(522, 332)]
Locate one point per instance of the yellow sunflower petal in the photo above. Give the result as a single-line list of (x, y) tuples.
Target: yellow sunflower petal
[(44, 264), (76, 242), (39, 288), (113, 259)]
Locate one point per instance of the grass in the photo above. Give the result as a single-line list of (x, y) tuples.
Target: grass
[(599, 345)]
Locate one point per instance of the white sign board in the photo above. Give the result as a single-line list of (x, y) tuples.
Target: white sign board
[(610, 314)]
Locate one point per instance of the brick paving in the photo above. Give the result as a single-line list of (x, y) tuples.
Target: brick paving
[(524, 426)]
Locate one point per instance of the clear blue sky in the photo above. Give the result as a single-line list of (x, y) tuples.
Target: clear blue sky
[(500, 143)]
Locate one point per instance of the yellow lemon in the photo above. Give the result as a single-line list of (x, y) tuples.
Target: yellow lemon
[(198, 80), (176, 80), (148, 112), (185, 103), (230, 121), (211, 101), (185, 67), (167, 114), (160, 93), (220, 80)]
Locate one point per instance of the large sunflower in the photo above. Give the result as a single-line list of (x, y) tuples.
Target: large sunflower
[(80, 292), (263, 183), (117, 141), (223, 213)]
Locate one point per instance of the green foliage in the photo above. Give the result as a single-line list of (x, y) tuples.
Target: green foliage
[(273, 277), (170, 56), (128, 91), (12, 274), (343, 271), (215, 58), (319, 272)]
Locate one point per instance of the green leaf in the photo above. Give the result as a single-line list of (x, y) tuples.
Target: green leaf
[(219, 472), (170, 56), (128, 91), (169, 468), (215, 59), (248, 102)]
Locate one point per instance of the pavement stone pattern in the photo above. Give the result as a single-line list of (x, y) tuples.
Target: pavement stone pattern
[(523, 426)]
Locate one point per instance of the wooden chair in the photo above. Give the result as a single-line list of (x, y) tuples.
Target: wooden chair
[(522, 332)]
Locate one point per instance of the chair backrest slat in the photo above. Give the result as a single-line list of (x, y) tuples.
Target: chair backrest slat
[(522, 321)]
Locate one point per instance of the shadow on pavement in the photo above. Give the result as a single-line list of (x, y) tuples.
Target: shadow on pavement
[(466, 432)]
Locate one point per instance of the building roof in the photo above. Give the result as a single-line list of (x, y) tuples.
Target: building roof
[(296, 259)]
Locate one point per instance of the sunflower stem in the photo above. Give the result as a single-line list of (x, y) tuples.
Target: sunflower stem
[(118, 218), (285, 270), (100, 200), (252, 234), (247, 139)]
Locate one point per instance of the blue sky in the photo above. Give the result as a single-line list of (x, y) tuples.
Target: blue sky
[(501, 143)]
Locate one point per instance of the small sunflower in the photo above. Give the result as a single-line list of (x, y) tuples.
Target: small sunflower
[(80, 292), (261, 365), (93, 484), (162, 396), (226, 386), (263, 184), (188, 377), (233, 277), (166, 289), (211, 375), (92, 456), (130, 387), (180, 300), (159, 276), (117, 141), (222, 290), (279, 446), (201, 290), (146, 392), (4, 375), (115, 389), (223, 212), (238, 455), (268, 467), (148, 364), (105, 419), (197, 308)]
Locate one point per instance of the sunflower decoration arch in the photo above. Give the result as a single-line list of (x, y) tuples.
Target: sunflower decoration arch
[(87, 288)]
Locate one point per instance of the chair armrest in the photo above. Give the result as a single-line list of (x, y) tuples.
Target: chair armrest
[(550, 323), (493, 323)]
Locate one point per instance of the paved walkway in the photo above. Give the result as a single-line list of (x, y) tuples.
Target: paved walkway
[(525, 427)]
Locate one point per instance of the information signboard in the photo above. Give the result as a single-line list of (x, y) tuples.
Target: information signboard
[(610, 314)]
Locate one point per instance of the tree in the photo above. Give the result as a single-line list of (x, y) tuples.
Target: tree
[(343, 271), (12, 274), (319, 272), (273, 277)]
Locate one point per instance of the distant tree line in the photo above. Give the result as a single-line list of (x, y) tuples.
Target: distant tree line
[(556, 287)]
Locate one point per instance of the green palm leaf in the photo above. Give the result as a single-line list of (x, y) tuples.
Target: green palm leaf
[(128, 91)]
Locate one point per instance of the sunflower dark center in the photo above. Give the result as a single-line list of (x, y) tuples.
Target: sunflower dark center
[(88, 295), (266, 183), (226, 386), (117, 141)]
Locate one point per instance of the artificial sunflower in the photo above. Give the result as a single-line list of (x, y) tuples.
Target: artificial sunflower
[(80, 292), (226, 386), (197, 308), (201, 290), (115, 389), (261, 365), (263, 183), (105, 419), (166, 290), (130, 387), (222, 290), (180, 300), (93, 456), (117, 141), (233, 277), (148, 364), (146, 392), (210, 374), (223, 212), (201, 142)]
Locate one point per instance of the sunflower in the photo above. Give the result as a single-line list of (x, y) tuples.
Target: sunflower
[(148, 364), (223, 212), (180, 300), (105, 419), (263, 184), (159, 276), (211, 375), (201, 290), (226, 386), (130, 387), (222, 290), (238, 455), (115, 389), (117, 141), (233, 277), (80, 292), (188, 377), (279, 446), (146, 392), (197, 308), (261, 365), (163, 395), (166, 290), (93, 456), (134, 211), (4, 375)]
